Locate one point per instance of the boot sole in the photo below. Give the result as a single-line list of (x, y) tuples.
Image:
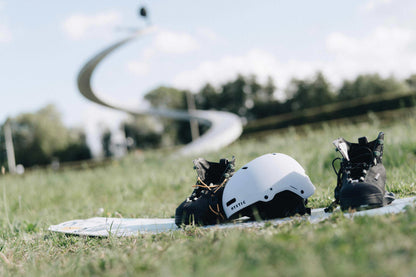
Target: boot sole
[(363, 202)]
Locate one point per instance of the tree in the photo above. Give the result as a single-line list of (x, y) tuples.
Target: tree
[(106, 143), (174, 131), (232, 97), (207, 98), (145, 132), (260, 100), (304, 94), (37, 136), (368, 84), (411, 82), (167, 98), (265, 94), (41, 136), (244, 96), (77, 148)]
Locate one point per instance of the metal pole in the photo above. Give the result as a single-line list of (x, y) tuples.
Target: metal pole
[(9, 148), (190, 100)]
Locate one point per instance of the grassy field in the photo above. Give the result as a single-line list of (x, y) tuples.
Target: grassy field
[(153, 184)]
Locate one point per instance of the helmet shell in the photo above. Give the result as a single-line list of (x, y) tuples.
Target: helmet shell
[(262, 178)]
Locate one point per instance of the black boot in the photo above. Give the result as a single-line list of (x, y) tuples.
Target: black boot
[(204, 206), (361, 180)]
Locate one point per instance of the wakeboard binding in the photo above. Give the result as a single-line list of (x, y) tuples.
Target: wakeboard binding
[(361, 178), (204, 205)]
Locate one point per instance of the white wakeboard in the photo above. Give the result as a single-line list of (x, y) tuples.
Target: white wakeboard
[(110, 226)]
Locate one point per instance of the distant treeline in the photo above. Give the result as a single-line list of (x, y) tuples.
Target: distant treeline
[(40, 138), (305, 100), (336, 110)]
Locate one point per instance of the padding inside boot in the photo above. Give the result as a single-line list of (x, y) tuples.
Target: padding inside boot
[(215, 173), (361, 154), (210, 172)]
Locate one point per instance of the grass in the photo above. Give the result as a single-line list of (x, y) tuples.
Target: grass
[(152, 184)]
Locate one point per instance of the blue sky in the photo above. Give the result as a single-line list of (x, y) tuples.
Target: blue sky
[(43, 44)]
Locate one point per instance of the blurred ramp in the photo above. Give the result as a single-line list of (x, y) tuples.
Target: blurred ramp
[(224, 129)]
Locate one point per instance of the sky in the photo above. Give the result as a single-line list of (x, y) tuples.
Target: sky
[(44, 44)]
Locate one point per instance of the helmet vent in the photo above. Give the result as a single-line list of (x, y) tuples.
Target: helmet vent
[(244, 167), (266, 197), (231, 202), (302, 191)]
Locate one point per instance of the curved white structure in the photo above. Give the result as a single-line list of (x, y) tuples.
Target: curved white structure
[(225, 127)]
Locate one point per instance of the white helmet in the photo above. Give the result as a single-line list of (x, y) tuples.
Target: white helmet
[(274, 184)]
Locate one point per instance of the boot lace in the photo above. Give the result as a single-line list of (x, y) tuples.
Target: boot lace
[(201, 184)]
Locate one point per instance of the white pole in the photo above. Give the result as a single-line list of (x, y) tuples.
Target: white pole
[(9, 148)]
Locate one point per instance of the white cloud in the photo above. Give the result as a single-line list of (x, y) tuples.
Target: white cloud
[(383, 41), (148, 53), (174, 43), (208, 34), (164, 42), (256, 61), (371, 5), (80, 26), (5, 33), (138, 68), (386, 51)]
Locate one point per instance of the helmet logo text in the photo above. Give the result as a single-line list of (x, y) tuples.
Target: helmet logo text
[(238, 204)]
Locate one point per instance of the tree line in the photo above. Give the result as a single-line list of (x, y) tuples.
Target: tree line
[(41, 138), (253, 100)]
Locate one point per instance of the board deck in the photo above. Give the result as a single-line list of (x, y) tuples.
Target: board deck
[(110, 226)]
